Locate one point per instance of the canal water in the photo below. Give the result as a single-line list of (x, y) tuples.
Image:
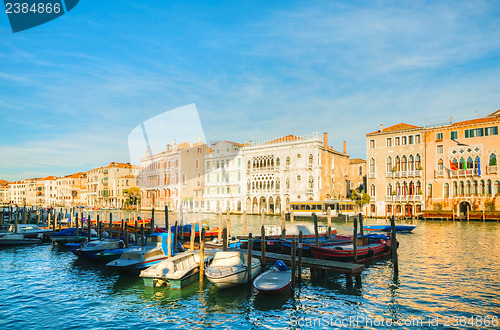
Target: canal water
[(449, 276)]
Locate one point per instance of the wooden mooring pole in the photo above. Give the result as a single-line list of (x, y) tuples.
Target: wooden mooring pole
[(394, 247), (249, 259), (299, 268), (202, 252), (244, 231), (89, 229), (263, 247), (219, 234), (360, 217), (126, 234), (166, 216), (316, 234), (355, 240), (193, 234), (110, 224), (283, 225), (175, 235), (152, 225), (262, 214), (329, 220), (142, 235), (292, 261), (169, 242)]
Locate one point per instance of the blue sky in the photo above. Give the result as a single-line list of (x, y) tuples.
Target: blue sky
[(72, 90)]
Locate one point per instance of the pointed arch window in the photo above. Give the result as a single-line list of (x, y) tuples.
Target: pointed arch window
[(440, 166), (311, 183), (446, 190), (411, 163), (389, 164), (372, 166), (404, 164)]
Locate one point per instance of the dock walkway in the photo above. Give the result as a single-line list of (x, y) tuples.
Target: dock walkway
[(335, 266)]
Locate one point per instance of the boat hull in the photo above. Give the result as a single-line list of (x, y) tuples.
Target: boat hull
[(233, 279), (346, 253), (273, 282)]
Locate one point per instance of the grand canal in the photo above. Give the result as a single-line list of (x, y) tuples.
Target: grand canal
[(449, 275)]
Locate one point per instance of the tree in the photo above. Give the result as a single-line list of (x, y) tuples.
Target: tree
[(133, 195), (361, 198)]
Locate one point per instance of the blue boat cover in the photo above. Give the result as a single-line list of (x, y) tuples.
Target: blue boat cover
[(281, 265), (71, 232)]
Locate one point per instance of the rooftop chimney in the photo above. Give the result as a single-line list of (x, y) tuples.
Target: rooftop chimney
[(325, 140), (345, 147), (381, 127)]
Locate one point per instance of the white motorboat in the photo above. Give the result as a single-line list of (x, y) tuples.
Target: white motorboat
[(178, 271), (135, 259), (26, 234), (229, 269)]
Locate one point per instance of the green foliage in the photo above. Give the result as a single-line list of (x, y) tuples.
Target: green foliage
[(493, 161), (361, 198), (438, 206)]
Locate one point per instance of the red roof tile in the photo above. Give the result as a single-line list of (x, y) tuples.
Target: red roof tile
[(395, 128)]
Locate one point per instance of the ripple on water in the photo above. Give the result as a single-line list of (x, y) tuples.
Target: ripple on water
[(446, 269)]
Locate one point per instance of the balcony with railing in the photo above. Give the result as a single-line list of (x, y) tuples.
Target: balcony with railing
[(491, 169), (371, 175), (470, 172), (439, 173)]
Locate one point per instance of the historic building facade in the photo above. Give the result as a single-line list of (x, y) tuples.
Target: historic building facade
[(292, 168), (224, 177), (449, 167), (102, 184), (174, 177), (461, 169)]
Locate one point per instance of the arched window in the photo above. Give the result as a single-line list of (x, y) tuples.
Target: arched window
[(476, 162), (455, 162), (249, 165), (446, 190), (467, 188), (488, 187), (360, 171), (310, 161), (474, 187), (418, 162), (461, 188), (440, 165), (287, 162), (389, 164), (372, 166), (497, 188), (493, 160), (278, 184), (398, 189), (389, 189), (404, 164), (461, 164), (397, 164), (470, 163), (372, 190), (311, 183), (429, 190), (481, 187), (419, 188), (455, 189), (287, 184), (411, 163), (277, 162)]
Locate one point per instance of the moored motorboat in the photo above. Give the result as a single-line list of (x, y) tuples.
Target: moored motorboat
[(308, 242), (135, 259), (70, 235), (399, 228), (376, 247), (178, 271), (90, 249), (274, 281), (229, 268), (25, 234)]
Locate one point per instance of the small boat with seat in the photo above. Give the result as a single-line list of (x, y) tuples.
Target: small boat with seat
[(229, 269), (274, 281), (178, 271), (90, 249), (135, 259)]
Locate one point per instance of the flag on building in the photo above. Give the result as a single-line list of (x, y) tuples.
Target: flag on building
[(453, 166), (479, 167)]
